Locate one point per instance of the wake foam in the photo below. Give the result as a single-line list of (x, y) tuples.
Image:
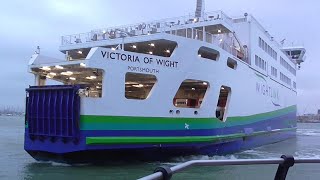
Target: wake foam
[(308, 153), (58, 164), (308, 132), (182, 159)]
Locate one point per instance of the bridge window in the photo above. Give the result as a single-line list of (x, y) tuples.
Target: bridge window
[(190, 94), (223, 103), (138, 86), (208, 53)]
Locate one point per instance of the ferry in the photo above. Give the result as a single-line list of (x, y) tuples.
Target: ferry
[(200, 84)]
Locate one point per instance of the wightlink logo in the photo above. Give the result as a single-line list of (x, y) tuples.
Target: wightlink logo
[(264, 89), (267, 90)]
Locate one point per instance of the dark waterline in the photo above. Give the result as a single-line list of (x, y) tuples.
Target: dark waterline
[(15, 163)]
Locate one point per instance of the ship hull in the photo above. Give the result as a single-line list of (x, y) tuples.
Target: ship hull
[(100, 146), (136, 153)]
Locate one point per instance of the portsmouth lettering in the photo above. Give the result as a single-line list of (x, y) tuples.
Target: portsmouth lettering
[(143, 70)]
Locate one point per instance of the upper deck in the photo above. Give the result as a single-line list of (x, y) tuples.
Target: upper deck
[(144, 29)]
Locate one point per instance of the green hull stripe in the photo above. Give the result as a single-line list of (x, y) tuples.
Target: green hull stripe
[(168, 140), (92, 122)]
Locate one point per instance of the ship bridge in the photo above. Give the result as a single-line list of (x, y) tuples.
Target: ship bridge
[(296, 54)]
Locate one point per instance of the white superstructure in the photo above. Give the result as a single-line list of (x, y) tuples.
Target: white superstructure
[(207, 65)]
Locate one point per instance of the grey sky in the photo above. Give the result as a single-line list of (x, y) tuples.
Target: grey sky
[(26, 24)]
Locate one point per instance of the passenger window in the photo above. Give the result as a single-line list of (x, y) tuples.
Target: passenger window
[(138, 86), (190, 94), (231, 63), (208, 53), (223, 102)]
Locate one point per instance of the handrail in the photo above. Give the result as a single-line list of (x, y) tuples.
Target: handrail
[(143, 28), (285, 162), (220, 40)]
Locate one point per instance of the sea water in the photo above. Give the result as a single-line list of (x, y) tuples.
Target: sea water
[(15, 163)]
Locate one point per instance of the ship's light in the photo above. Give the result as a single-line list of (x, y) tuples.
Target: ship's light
[(222, 88), (83, 64), (79, 52), (48, 76), (205, 83), (219, 30), (67, 73), (150, 52), (134, 46), (152, 44), (220, 40), (58, 67), (91, 77), (113, 48), (138, 85), (167, 51), (72, 78), (199, 55), (193, 89), (98, 87), (53, 74), (195, 20), (46, 68)]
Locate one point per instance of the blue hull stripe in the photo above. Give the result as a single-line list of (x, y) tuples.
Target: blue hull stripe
[(273, 123)]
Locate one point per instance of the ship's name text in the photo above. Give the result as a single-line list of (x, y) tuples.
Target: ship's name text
[(138, 59)]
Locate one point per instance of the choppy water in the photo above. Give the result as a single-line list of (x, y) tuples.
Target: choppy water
[(15, 163)]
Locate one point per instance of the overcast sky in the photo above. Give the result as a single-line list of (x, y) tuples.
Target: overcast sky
[(27, 24)]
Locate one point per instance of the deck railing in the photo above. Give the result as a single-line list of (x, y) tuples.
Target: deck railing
[(222, 40), (140, 29), (285, 162), (171, 26)]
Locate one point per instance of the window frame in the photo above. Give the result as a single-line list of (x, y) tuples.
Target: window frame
[(150, 91)]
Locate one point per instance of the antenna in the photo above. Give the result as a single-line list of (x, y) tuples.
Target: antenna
[(199, 9)]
